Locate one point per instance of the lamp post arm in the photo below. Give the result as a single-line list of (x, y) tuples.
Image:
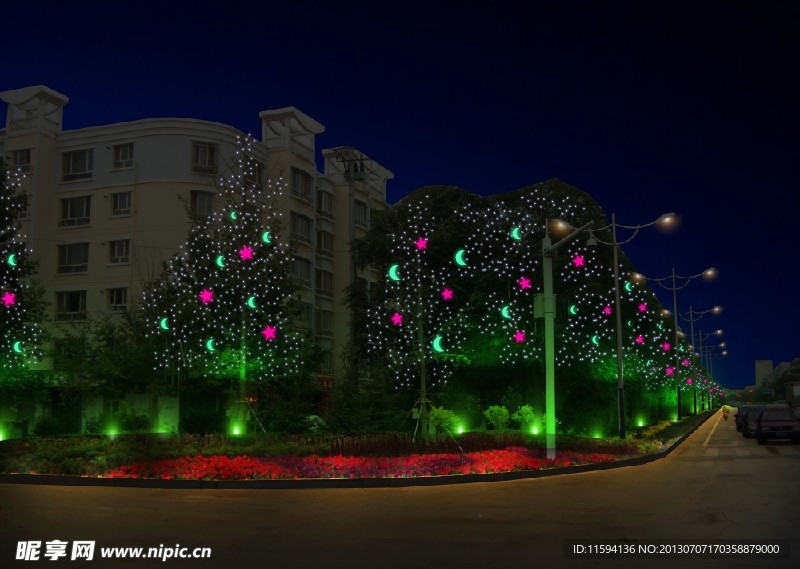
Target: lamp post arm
[(549, 250)]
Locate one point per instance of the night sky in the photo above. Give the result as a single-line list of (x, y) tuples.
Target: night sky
[(650, 107)]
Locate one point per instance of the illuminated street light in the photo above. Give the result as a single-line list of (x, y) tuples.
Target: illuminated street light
[(693, 317)]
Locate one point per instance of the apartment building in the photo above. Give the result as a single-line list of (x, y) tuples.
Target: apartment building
[(105, 209)]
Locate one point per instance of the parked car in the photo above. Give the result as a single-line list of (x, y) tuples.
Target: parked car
[(740, 415), (777, 424)]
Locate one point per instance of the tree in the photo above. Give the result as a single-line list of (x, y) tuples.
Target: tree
[(224, 307), (21, 296)]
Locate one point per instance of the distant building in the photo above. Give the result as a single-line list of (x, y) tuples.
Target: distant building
[(104, 211), (763, 371)]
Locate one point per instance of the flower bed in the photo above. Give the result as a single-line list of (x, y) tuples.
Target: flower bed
[(298, 467)]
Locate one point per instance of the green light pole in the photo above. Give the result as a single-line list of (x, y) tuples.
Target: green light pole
[(548, 309)]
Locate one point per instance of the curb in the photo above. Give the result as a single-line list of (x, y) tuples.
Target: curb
[(329, 483)]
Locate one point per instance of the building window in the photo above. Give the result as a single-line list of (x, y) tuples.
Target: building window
[(325, 204), (121, 203), (204, 157), (71, 305), (361, 214), (301, 228), (325, 322), (255, 174), (117, 299), (324, 282), (324, 243), (73, 258), (306, 316), (301, 185), (119, 251), (77, 165), (22, 160), (23, 209), (123, 156), (75, 211), (301, 271), (201, 203)]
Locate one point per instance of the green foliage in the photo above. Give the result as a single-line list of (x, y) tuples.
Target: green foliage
[(525, 416), (497, 416), (443, 419)]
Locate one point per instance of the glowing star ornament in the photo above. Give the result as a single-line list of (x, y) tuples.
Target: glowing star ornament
[(9, 298), (640, 339), (666, 346), (206, 296), (607, 311), (643, 307), (519, 337), (270, 333), (421, 243), (524, 283), (689, 381), (397, 319), (578, 261), (246, 253), (447, 294), (670, 370), (685, 363)]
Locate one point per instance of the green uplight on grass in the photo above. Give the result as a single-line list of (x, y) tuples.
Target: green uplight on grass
[(112, 431), (640, 423), (236, 429), (460, 430), (534, 430), (597, 434)]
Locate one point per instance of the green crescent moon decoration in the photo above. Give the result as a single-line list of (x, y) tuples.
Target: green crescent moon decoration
[(17, 347), (251, 302), (660, 325), (459, 257), (220, 261), (505, 311), (164, 323), (573, 309), (437, 344), (595, 340), (234, 215), (629, 286), (629, 323), (266, 237), (210, 345), (648, 362), (12, 259), (515, 234), (393, 273)]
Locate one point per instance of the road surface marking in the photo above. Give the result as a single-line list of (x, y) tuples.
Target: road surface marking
[(705, 444)]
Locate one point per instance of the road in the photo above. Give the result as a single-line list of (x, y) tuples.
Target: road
[(715, 486)]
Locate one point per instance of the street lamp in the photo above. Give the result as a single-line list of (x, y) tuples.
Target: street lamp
[(693, 317), (667, 220), (548, 309), (709, 274)]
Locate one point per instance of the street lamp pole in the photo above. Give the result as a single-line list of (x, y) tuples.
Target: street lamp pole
[(548, 306), (620, 381), (694, 317)]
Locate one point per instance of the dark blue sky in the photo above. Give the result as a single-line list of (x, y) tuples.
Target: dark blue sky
[(648, 106)]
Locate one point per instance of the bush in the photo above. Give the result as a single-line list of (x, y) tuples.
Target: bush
[(443, 419), (498, 417), (525, 416)]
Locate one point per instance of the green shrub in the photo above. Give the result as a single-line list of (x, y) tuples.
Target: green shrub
[(443, 419), (498, 417), (525, 416)]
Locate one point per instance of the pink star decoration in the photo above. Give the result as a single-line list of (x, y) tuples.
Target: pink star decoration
[(665, 346), (578, 260), (640, 339), (246, 253), (607, 310), (421, 243), (643, 307), (447, 294), (685, 363), (524, 283), (269, 332), (206, 296), (670, 370), (9, 298), (689, 381), (519, 337), (397, 319)]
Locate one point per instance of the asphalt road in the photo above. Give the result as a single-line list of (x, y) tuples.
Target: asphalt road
[(715, 486)]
